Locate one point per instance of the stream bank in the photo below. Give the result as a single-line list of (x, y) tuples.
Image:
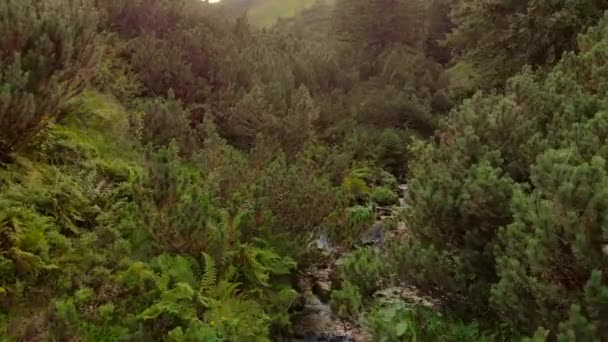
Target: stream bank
[(313, 319)]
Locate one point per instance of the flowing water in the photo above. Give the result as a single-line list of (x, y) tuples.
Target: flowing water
[(315, 321)]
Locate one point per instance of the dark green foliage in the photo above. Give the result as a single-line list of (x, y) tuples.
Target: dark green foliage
[(165, 120), (287, 119), (47, 55), (258, 141), (390, 152), (364, 270), (395, 320), (439, 25), (500, 37), (510, 200), (347, 302), (384, 196), (175, 211), (375, 25), (348, 228)]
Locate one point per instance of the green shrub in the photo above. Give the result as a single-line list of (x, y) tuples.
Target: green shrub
[(172, 206), (395, 320), (48, 53), (384, 196), (391, 151), (347, 302), (436, 272), (364, 269), (356, 184), (359, 216), (508, 203), (299, 200), (195, 332), (387, 179), (107, 311), (351, 223), (166, 120)]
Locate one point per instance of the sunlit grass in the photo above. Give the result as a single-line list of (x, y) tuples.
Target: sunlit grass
[(264, 13)]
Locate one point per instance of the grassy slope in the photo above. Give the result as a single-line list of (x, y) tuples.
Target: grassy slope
[(264, 13), (51, 200), (267, 12)]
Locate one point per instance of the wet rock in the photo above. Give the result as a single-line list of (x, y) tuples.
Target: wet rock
[(315, 319), (298, 305), (373, 236), (408, 294), (405, 190), (322, 289), (323, 243), (402, 202), (384, 211)]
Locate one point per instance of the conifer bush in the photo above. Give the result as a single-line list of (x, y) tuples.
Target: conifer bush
[(512, 198), (364, 269), (175, 210), (347, 302), (166, 120), (384, 196), (47, 53)]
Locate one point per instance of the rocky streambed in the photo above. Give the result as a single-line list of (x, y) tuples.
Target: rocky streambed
[(313, 319)]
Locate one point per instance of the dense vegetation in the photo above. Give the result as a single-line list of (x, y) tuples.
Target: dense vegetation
[(164, 167)]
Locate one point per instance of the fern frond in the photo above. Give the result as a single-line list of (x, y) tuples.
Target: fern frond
[(209, 277), (177, 302), (174, 269)]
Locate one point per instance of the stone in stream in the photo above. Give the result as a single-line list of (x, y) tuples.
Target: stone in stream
[(402, 202), (408, 294), (322, 288), (373, 236), (405, 190)]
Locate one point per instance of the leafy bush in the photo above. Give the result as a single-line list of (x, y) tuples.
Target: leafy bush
[(48, 53), (359, 216), (364, 269), (356, 184), (390, 151), (166, 120), (351, 223), (387, 179), (347, 302), (174, 209), (384, 196), (299, 199), (394, 320), (500, 39)]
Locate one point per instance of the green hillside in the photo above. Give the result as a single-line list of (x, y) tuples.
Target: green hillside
[(263, 13), (361, 170)]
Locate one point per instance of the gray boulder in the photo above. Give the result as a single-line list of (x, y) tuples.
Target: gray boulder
[(374, 236)]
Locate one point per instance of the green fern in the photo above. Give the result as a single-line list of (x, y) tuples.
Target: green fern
[(174, 269), (23, 233), (209, 277), (176, 302), (262, 262), (238, 318), (194, 333)]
